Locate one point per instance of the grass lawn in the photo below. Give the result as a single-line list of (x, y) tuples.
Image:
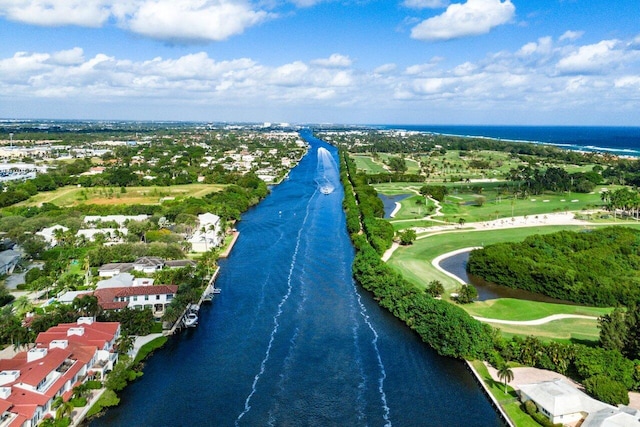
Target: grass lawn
[(509, 400), (404, 224), (566, 330), (414, 263), (148, 348), (368, 165), (514, 309), (72, 196)]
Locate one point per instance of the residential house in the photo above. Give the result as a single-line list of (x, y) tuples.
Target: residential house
[(156, 298), (148, 264), (111, 234), (622, 416), (124, 280), (49, 233), (179, 263), (120, 219), (114, 268), (64, 357), (207, 234), (560, 401), (8, 261)]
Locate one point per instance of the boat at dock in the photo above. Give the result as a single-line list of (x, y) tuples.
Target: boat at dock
[(191, 320)]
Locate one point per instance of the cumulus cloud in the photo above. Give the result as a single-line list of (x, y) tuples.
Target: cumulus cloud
[(385, 68), (596, 58), (543, 75), (193, 20), (57, 12), (425, 4), (571, 35), (172, 20), (472, 18), (334, 61)]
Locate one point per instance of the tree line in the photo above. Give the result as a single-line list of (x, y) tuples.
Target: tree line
[(446, 328)]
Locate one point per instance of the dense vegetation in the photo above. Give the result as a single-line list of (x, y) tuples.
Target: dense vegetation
[(445, 327), (598, 267)]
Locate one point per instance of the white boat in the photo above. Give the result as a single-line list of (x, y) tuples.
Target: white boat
[(326, 189), (191, 320)]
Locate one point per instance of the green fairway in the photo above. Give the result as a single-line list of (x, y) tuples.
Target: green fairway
[(515, 309), (366, 164), (414, 263), (564, 330)]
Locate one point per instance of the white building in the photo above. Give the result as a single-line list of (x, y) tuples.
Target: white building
[(120, 219), (560, 401), (208, 233), (48, 234)]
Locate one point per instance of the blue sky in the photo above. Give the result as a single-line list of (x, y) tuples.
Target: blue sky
[(555, 62)]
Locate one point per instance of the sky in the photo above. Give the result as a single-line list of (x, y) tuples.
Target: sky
[(504, 62)]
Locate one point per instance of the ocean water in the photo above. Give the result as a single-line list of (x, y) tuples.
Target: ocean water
[(620, 141)]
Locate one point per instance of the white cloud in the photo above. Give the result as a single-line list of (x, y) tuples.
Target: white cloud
[(425, 4), (68, 57), (334, 61), (472, 18), (571, 35), (172, 20), (517, 84), (86, 13), (193, 20), (385, 68), (601, 57)]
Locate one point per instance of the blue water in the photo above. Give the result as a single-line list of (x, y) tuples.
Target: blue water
[(293, 341), (621, 141), (389, 202)]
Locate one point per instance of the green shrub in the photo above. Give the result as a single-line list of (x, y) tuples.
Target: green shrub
[(605, 389)]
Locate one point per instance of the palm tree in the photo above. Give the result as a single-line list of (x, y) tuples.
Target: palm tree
[(505, 374), (125, 344)]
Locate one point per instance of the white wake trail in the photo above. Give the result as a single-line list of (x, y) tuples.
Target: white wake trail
[(276, 320), (383, 373)]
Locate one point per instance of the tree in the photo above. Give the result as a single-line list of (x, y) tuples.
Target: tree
[(466, 294), (435, 288), (613, 330), (125, 344), (505, 374), (397, 164), (407, 237)]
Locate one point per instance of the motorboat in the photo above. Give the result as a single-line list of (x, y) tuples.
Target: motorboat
[(191, 320), (325, 189)]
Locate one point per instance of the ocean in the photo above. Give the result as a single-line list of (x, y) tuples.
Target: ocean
[(619, 141)]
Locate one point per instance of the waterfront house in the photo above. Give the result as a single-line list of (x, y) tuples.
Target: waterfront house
[(156, 298), (560, 401), (64, 357), (207, 234)]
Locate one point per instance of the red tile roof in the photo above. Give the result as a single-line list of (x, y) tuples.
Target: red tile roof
[(107, 296)]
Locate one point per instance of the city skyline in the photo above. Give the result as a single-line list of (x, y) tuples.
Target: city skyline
[(557, 62)]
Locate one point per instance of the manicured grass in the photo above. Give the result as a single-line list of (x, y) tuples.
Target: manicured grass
[(148, 348), (515, 309), (508, 401), (368, 165), (565, 330), (414, 263), (404, 224), (108, 398), (72, 196)]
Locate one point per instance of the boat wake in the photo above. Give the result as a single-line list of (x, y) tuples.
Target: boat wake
[(327, 177), (276, 319)]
